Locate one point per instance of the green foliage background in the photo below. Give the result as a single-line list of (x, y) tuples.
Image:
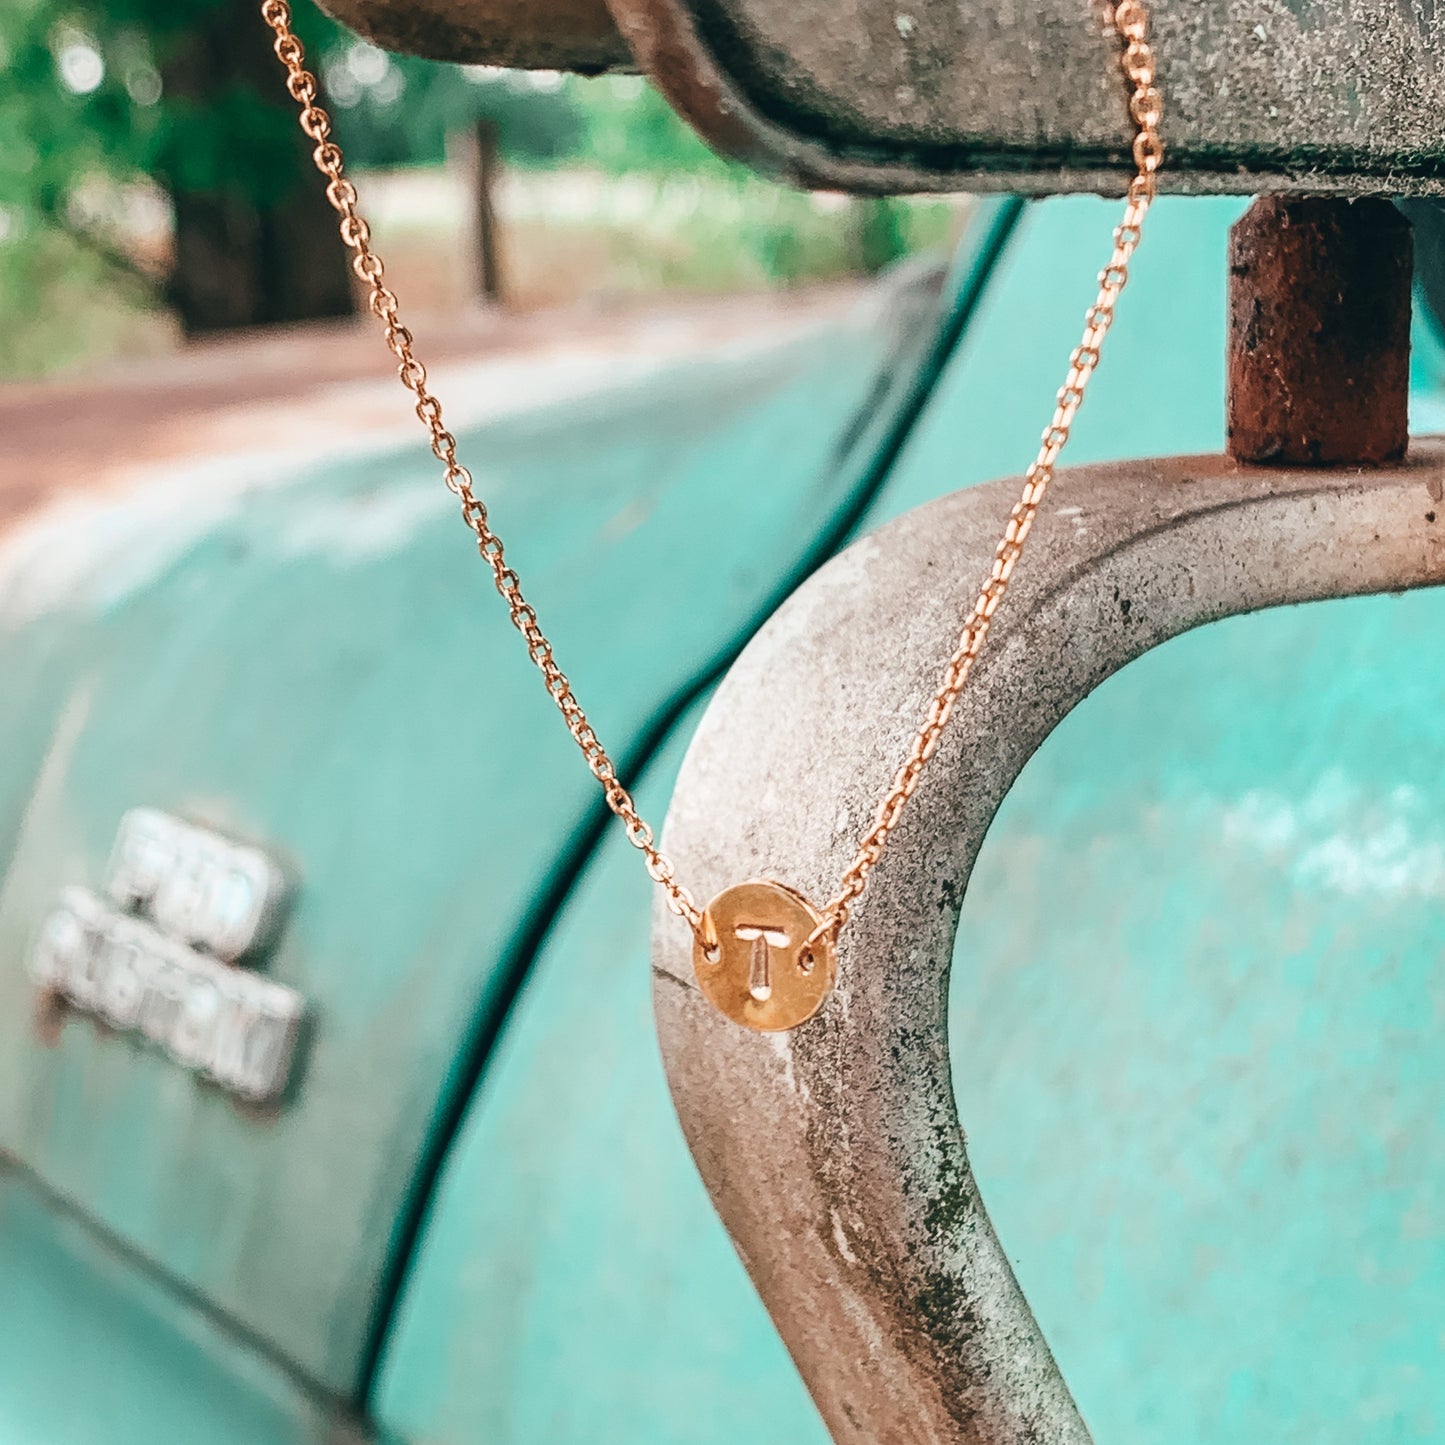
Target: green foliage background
[(66, 284)]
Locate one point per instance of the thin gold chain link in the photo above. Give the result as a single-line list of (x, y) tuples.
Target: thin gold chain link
[(1130, 19), (381, 300)]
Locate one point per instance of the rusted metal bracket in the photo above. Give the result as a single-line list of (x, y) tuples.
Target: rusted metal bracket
[(834, 1153), (1319, 332)]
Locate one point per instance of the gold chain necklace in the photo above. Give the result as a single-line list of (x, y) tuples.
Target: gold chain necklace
[(763, 954)]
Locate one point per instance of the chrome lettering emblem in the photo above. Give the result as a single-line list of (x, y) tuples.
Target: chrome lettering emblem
[(159, 955)]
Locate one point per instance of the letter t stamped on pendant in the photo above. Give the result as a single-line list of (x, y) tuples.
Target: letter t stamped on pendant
[(760, 972)]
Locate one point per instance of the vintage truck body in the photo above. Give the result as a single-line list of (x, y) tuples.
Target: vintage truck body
[(472, 1220)]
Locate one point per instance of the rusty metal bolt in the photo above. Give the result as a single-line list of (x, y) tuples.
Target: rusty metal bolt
[(1319, 332)]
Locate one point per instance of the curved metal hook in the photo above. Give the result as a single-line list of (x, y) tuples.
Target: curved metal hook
[(834, 1153)]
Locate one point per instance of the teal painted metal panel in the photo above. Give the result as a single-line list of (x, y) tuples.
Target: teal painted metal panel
[(1224, 964), (326, 669), (93, 1351), (1166, 347), (1197, 1037), (576, 1287)]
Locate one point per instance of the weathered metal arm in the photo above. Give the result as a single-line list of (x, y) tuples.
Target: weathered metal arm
[(872, 95), (875, 95), (834, 1154)]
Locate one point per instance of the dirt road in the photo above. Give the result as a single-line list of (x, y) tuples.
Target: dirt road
[(306, 391)]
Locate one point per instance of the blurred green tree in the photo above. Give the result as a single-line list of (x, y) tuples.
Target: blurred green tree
[(186, 97), (255, 241), (396, 110), (882, 226), (630, 127), (187, 93)]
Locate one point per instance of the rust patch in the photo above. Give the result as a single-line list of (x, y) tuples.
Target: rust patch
[(1319, 332)]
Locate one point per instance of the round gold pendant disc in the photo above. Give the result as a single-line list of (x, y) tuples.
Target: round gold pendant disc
[(759, 973)]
